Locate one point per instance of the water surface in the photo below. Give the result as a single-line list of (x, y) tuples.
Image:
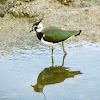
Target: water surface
[(29, 74)]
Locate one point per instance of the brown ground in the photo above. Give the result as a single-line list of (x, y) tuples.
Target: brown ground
[(14, 31)]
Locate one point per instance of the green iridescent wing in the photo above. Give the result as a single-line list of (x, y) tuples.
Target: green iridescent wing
[(55, 35)]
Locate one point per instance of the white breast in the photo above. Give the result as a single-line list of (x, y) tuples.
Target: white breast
[(47, 43)]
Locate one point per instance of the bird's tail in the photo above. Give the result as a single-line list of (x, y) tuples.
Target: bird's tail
[(78, 33)]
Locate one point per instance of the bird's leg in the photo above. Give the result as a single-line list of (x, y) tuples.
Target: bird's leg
[(63, 59), (63, 48), (52, 51), (52, 56), (52, 62)]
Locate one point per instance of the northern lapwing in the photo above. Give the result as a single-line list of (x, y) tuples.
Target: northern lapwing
[(52, 35)]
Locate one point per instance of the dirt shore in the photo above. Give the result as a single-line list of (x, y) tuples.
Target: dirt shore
[(16, 24)]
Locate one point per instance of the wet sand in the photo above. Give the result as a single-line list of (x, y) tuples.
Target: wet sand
[(14, 32)]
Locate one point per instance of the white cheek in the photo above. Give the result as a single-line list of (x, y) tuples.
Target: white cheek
[(39, 30), (38, 27)]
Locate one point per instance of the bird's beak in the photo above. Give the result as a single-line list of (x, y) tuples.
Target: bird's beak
[(31, 30)]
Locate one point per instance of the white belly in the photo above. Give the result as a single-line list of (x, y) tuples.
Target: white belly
[(47, 43)]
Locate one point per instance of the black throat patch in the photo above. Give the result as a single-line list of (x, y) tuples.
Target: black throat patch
[(39, 35)]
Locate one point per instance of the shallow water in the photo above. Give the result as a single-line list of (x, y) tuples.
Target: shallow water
[(29, 74)]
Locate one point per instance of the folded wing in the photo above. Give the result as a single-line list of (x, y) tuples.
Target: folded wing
[(55, 35)]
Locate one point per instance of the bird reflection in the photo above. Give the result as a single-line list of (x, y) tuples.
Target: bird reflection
[(53, 75)]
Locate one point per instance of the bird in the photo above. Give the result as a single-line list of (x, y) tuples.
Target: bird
[(52, 35)]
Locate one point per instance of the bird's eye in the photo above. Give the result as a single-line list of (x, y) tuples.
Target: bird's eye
[(34, 26)]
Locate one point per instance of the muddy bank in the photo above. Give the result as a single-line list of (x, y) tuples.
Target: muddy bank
[(31, 8), (80, 3), (14, 32)]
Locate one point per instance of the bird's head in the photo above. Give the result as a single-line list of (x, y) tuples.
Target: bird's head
[(37, 26)]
